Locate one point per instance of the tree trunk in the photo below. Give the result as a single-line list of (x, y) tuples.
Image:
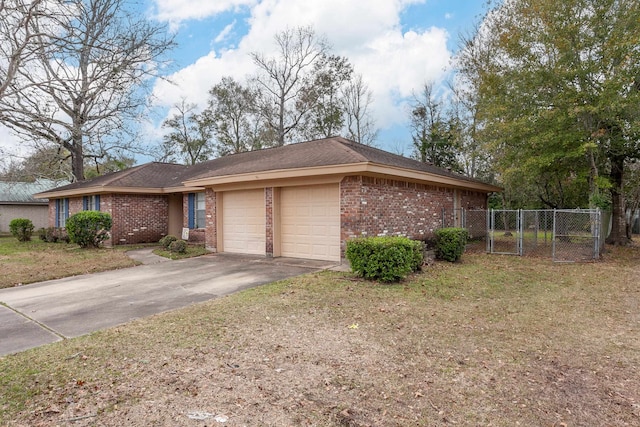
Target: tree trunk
[(618, 234), (77, 159)]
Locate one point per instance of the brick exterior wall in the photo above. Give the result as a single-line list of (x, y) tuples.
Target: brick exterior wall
[(472, 200), (75, 205), (211, 235), (268, 197), (376, 206), (137, 218), (52, 213)]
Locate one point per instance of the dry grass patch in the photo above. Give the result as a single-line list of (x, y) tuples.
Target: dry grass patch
[(35, 261), (492, 340)]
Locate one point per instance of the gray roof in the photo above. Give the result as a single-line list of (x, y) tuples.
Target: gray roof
[(22, 192)]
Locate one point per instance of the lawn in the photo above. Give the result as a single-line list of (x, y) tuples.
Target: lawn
[(492, 340), (35, 261)]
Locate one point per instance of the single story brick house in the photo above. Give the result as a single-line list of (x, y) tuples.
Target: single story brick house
[(301, 200)]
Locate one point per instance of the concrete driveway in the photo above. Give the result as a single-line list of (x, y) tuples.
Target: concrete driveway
[(45, 312)]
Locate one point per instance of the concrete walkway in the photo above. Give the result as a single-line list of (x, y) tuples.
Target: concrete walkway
[(45, 312)]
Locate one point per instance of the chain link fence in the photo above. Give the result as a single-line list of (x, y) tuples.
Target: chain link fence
[(563, 235)]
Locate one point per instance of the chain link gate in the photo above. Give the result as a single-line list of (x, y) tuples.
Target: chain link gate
[(577, 235), (564, 235)]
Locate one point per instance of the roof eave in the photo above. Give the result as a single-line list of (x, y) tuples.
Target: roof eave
[(432, 178), (346, 169), (56, 194)]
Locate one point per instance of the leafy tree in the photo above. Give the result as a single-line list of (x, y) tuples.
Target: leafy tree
[(49, 162), (236, 123), (111, 163), (283, 80), (473, 159), (357, 99), (190, 135), (632, 193), (323, 96), (432, 134), (85, 87), (559, 93)]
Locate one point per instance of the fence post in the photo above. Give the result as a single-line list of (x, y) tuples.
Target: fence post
[(519, 237), (490, 231), (553, 237), (596, 238)]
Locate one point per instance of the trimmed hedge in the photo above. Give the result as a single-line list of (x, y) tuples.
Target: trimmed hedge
[(387, 258), (88, 228), (21, 229), (450, 243)]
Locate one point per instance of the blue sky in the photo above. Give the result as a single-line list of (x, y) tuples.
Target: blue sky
[(397, 45)]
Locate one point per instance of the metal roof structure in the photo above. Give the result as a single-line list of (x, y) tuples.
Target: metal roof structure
[(21, 193)]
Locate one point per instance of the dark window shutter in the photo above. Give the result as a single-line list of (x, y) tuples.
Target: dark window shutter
[(85, 203), (66, 208), (192, 210), (97, 207), (57, 213)]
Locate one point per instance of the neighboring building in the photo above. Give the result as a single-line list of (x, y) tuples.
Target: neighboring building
[(17, 201), (302, 200)]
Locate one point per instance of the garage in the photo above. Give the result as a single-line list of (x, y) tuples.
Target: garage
[(243, 222), (310, 222)]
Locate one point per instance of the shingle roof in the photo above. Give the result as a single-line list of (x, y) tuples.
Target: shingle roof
[(321, 152), (334, 151), (12, 192), (148, 175)]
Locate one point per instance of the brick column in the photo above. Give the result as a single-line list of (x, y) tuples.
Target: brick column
[(268, 199), (211, 234)]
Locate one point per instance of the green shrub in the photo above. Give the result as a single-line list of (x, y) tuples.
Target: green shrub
[(166, 241), (53, 235), (450, 243), (178, 247), (88, 228), (387, 258), (21, 229)]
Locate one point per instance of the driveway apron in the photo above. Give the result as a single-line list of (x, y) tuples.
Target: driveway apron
[(46, 312)]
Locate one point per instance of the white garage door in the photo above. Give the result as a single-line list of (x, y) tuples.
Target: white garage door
[(310, 222), (243, 222)]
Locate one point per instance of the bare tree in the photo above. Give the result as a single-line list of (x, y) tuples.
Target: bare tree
[(190, 135), (357, 99), (283, 80), (236, 122), (89, 83), (17, 34)]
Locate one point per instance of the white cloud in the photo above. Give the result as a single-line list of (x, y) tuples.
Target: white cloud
[(194, 81), (392, 62), (176, 11), (225, 32)]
